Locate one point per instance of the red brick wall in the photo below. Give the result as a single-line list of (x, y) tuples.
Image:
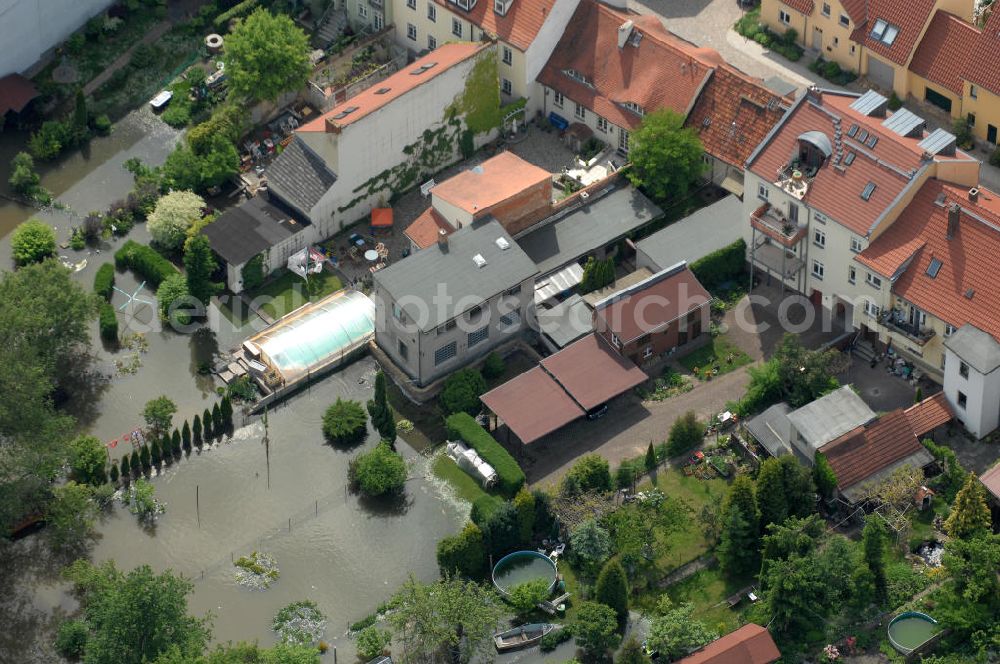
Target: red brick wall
[(663, 340), (523, 209)]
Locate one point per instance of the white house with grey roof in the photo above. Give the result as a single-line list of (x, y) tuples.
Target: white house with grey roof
[(451, 303), (972, 378)]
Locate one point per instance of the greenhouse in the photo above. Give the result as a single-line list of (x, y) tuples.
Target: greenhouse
[(317, 336)]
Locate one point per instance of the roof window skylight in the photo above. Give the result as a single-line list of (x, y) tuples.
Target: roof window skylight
[(934, 267), (869, 190), (884, 32)]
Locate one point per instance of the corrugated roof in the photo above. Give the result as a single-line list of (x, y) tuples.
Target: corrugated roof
[(493, 181), (982, 68), (904, 123), (299, 177), (939, 141), (871, 103), (830, 416), (532, 405), (750, 644), (909, 16), (592, 372), (929, 414), (943, 54)]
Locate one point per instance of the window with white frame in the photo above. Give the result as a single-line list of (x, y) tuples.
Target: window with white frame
[(615, 340), (602, 124), (635, 108), (949, 330), (432, 42), (456, 27), (784, 16), (378, 20), (873, 281), (411, 31), (580, 112), (826, 9), (856, 245), (506, 86), (432, 12), (845, 21), (818, 269), (508, 55), (412, 4), (820, 217), (819, 238), (479, 335), (445, 353), (362, 10), (852, 274), (871, 309), (557, 98), (762, 191)]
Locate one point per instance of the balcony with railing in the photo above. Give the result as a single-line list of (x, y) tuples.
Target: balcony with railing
[(896, 320), (769, 221)]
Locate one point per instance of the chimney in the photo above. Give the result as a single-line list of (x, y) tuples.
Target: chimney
[(954, 213), (443, 239), (974, 194), (624, 32)]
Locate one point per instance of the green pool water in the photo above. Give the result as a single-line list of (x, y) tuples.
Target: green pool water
[(908, 631), (521, 567)]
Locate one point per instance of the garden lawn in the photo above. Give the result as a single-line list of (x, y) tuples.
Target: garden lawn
[(716, 352), (465, 486), (689, 542), (922, 523), (427, 419), (288, 292), (707, 590)]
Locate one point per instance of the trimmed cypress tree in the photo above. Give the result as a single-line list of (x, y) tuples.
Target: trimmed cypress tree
[(168, 444), (136, 462), (175, 439), (196, 430), (113, 473), (144, 457), (186, 435), (650, 457), (218, 425), (612, 588), (227, 412), (206, 422), (126, 470), (155, 453)]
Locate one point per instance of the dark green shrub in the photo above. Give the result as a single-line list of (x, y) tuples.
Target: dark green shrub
[(104, 281), (136, 464), (253, 273), (218, 424), (206, 423), (144, 457), (344, 423), (612, 588), (555, 638), (108, 322), (461, 426), (378, 472), (146, 261), (113, 473), (102, 125), (33, 241), (723, 265), (895, 103), (175, 440), (483, 507), (686, 434), (186, 435), (239, 9), (502, 532), (52, 138), (463, 553), (196, 430), (155, 453), (590, 473), (71, 639), (831, 70), (461, 392), (493, 366)]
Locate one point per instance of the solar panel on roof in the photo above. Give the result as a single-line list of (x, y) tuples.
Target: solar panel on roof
[(853, 130), (939, 140), (870, 103), (849, 159), (904, 123), (933, 268), (869, 190)]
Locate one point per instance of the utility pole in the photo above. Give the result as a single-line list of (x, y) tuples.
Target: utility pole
[(267, 450)]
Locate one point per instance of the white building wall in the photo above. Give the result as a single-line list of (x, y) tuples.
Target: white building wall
[(29, 28), (453, 214), (981, 413), (545, 41)]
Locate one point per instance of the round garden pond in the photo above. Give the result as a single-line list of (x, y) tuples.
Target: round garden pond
[(910, 630), (523, 566)]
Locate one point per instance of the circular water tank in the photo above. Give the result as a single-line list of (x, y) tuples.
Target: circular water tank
[(214, 43)]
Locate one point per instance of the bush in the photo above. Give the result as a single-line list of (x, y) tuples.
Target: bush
[(102, 124), (23, 178), (146, 262), (104, 280), (461, 392), (239, 9), (177, 115), (590, 473), (463, 553), (172, 216), (483, 507), (33, 241), (463, 427), (502, 532), (170, 299), (721, 265), (108, 322), (345, 423), (378, 472), (71, 639), (686, 434), (52, 138), (555, 638), (612, 588), (372, 641), (995, 157), (493, 367), (831, 70), (525, 596), (590, 543)]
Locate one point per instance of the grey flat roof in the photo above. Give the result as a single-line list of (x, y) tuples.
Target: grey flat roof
[(436, 284), (975, 347), (780, 86), (299, 176), (567, 321), (697, 235), (242, 232), (829, 417), (772, 429), (588, 227)]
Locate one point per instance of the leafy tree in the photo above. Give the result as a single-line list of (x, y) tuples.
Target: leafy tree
[(795, 536), (172, 216), (372, 641), (632, 653), (524, 503), (159, 414), (673, 632), (795, 594), (645, 531), (666, 156), (186, 170), (378, 472), (524, 597), (171, 298), (196, 430), (784, 488), (685, 434), (33, 241), (873, 539), (71, 515), (612, 588), (461, 392), (493, 366), (590, 473), (625, 475), (345, 423), (448, 621), (266, 55), (650, 458), (88, 460), (597, 274), (23, 178), (970, 602), (229, 121), (51, 139), (502, 531), (199, 265), (463, 553), (970, 515), (954, 475), (141, 500), (134, 617), (590, 543), (380, 412), (71, 639), (739, 540), (824, 477), (596, 629)]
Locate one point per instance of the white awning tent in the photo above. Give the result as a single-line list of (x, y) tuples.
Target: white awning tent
[(558, 282), (469, 461)]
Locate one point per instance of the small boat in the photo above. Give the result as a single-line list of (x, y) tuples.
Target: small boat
[(522, 637)]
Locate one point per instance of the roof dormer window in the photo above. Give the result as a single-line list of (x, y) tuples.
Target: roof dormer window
[(635, 108), (465, 4), (501, 7), (576, 76), (884, 32)]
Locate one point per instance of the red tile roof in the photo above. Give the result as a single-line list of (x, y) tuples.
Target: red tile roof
[(733, 114), (929, 414), (592, 372), (518, 27), (991, 480), (801, 6), (532, 405), (982, 66), (493, 181), (381, 94), (750, 644), (943, 53), (651, 304), (855, 9), (425, 230), (910, 16), (968, 260), (661, 71), (15, 93), (868, 449)]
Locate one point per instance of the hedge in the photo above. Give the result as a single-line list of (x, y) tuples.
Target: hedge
[(239, 9), (722, 265), (108, 322), (104, 280), (509, 474), (146, 261), (483, 507)]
